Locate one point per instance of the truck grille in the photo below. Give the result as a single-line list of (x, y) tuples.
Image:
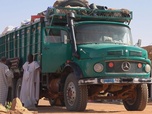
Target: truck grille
[(135, 53), (121, 52), (123, 67)]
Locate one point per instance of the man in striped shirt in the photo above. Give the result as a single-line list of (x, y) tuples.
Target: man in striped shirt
[(5, 73)]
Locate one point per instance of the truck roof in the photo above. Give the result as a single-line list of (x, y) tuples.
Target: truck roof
[(58, 15)]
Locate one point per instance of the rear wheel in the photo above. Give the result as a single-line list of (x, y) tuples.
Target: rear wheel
[(139, 102), (75, 96)]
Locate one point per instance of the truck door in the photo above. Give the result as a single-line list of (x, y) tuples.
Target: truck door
[(56, 49)]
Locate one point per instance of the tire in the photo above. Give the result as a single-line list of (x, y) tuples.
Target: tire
[(73, 3), (18, 87), (140, 101), (75, 96)]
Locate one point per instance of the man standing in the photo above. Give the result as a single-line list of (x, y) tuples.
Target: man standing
[(10, 95), (29, 95), (4, 74)]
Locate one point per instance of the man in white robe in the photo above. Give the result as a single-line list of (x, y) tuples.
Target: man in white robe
[(29, 95), (5, 73)]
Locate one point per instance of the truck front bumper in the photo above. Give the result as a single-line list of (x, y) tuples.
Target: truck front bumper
[(90, 81)]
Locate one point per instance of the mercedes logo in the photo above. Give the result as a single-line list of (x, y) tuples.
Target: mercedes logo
[(126, 66)]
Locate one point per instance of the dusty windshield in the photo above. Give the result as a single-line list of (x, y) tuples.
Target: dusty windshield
[(103, 33)]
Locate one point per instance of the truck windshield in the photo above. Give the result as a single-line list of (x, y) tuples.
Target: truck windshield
[(103, 33)]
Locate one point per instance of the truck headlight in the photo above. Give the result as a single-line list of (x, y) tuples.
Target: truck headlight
[(147, 68), (98, 67)]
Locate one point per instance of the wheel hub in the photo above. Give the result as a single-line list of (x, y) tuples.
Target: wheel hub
[(71, 93)]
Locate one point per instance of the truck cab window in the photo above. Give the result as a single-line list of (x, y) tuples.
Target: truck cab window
[(103, 33), (55, 36)]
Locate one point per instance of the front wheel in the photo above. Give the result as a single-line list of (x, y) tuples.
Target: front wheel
[(75, 96), (139, 102)]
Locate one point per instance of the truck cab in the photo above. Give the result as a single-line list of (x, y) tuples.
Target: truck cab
[(96, 56)]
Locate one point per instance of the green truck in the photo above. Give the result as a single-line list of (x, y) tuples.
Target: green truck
[(85, 54)]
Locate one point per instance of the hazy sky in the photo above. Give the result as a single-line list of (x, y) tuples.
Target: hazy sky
[(13, 12)]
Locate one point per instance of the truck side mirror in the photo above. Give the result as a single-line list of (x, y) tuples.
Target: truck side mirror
[(139, 43)]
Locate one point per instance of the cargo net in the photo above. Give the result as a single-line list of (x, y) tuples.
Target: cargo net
[(118, 15)]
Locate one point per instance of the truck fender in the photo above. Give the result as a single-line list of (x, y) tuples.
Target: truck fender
[(76, 69), (67, 69)]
